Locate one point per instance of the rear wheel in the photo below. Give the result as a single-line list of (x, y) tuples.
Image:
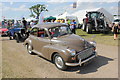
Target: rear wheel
[(89, 29), (59, 62), (10, 37)]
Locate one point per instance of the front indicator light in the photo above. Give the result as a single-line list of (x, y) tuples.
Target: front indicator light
[(73, 58), (94, 48)]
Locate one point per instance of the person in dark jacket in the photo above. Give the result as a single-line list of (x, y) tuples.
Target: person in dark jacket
[(24, 23), (115, 30)]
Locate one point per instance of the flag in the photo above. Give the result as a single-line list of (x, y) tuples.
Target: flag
[(41, 17), (74, 4)]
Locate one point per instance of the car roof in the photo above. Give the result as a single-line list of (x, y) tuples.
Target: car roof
[(93, 12), (49, 25)]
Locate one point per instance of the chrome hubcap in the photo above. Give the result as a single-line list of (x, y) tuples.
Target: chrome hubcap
[(59, 62), (29, 49)]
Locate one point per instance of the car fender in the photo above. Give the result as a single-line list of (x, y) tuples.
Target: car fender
[(49, 50), (28, 41)]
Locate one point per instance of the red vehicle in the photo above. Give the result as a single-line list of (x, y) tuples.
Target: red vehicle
[(95, 21), (3, 31)]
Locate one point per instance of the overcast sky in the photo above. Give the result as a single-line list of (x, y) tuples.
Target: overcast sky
[(18, 9)]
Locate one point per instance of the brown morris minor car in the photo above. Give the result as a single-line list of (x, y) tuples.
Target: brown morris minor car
[(56, 42)]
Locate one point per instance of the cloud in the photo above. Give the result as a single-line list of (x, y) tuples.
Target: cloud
[(20, 8), (114, 9), (47, 5), (60, 1), (97, 0), (11, 3), (1, 7)]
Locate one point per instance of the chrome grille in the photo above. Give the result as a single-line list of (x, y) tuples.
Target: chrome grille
[(86, 53)]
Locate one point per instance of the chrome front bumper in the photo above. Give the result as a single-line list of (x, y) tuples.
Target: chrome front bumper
[(81, 62)]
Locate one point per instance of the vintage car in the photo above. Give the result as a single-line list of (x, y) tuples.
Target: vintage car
[(18, 33), (56, 42), (3, 31)]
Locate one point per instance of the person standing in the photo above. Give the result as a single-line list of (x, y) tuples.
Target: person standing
[(115, 30), (8, 24), (68, 22), (73, 26), (24, 23)]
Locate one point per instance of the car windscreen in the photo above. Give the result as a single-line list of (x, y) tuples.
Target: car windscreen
[(59, 31), (94, 15)]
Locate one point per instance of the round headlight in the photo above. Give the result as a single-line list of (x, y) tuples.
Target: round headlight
[(93, 43), (72, 52), (19, 31)]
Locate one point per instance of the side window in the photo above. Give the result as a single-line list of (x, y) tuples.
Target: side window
[(42, 33), (34, 31), (54, 32)]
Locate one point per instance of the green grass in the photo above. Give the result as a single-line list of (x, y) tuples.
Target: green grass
[(100, 38)]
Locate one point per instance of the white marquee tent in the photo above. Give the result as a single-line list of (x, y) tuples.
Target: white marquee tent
[(63, 16), (31, 18), (66, 16), (81, 14)]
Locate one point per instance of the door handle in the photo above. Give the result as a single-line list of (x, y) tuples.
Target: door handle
[(37, 39)]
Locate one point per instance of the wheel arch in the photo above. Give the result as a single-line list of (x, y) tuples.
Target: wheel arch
[(28, 41), (52, 56)]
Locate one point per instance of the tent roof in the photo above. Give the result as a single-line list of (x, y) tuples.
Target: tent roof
[(29, 19), (63, 16), (49, 25), (81, 13)]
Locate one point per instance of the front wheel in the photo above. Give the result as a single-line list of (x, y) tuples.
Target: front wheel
[(59, 62), (89, 29), (17, 38), (29, 49)]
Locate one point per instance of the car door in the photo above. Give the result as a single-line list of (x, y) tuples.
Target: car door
[(33, 37), (42, 43), (40, 40)]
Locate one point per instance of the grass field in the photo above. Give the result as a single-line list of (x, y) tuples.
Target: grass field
[(99, 37)]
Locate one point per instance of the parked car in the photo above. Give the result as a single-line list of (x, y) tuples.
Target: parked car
[(3, 31), (56, 42), (18, 33)]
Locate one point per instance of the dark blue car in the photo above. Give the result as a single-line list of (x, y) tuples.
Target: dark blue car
[(18, 33)]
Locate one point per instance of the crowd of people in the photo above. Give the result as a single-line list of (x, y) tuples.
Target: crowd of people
[(29, 24), (71, 23), (21, 23)]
